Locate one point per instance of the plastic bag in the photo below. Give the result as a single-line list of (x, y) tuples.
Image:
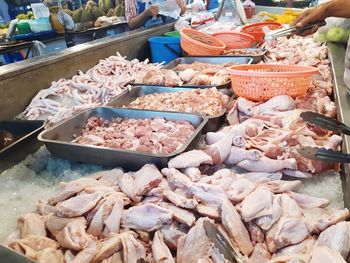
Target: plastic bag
[(197, 5), (40, 25), (38, 49), (335, 30), (168, 8), (347, 66), (181, 23)]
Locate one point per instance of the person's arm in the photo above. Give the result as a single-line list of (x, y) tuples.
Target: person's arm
[(137, 21), (334, 8), (182, 5)]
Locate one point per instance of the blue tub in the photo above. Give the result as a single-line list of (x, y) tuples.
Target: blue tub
[(164, 49)]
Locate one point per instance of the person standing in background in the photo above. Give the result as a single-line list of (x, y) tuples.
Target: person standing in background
[(4, 12), (136, 15), (334, 8)]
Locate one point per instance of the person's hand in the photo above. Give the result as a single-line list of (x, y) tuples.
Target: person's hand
[(316, 14), (182, 5), (153, 10)]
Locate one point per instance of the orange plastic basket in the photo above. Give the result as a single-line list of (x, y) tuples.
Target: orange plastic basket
[(256, 30), (196, 43), (234, 40), (264, 81)]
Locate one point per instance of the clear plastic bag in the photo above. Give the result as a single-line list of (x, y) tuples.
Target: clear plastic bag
[(347, 66), (168, 8), (336, 30)]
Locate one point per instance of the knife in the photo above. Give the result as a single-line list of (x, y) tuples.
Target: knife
[(221, 243)]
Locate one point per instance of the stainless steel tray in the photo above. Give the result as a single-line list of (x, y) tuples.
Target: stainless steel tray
[(8, 255), (58, 139), (212, 60), (214, 122), (256, 58), (25, 133)]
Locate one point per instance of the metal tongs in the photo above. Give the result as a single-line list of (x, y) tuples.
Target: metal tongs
[(221, 243), (291, 30), (330, 124)]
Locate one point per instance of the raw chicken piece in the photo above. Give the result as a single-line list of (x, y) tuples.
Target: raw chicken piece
[(74, 236), (275, 105), (146, 217), (176, 179), (208, 211), (195, 240), (51, 255), (171, 234), (290, 229), (104, 210), (257, 204), (161, 252), (115, 258), (336, 237), (56, 224), (109, 246), (112, 222), (239, 189), (301, 251), (133, 250), (146, 178), (220, 150), (193, 173), (181, 215), (265, 164), (260, 254), (238, 154), (257, 177), (209, 194), (266, 222), (235, 227), (31, 224), (136, 184), (280, 186), (109, 177), (193, 158), (307, 201), (187, 75), (245, 106), (338, 216), (78, 205), (325, 255), (180, 200), (67, 190), (126, 185), (87, 254), (44, 208), (31, 245), (200, 79), (256, 233)]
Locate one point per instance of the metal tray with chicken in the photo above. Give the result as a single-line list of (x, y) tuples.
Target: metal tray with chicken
[(207, 102), (198, 72), (124, 137)]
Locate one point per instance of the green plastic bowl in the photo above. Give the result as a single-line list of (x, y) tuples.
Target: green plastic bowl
[(172, 34)]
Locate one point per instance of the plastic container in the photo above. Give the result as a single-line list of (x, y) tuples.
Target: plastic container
[(172, 34), (23, 28), (264, 81), (197, 43), (164, 49), (256, 29), (235, 40)]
